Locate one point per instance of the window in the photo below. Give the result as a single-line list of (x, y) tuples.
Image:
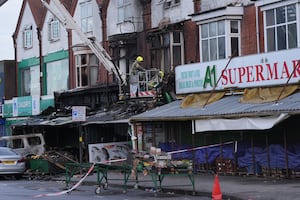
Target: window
[(86, 17), (16, 144), (167, 50), (53, 30), (27, 37), (32, 141), (30, 84), (171, 3), (86, 70), (177, 50), (234, 37), (281, 28), (121, 55), (57, 76), (25, 91), (220, 39), (124, 12)]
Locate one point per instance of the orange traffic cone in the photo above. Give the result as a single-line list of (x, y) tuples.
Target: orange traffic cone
[(216, 192)]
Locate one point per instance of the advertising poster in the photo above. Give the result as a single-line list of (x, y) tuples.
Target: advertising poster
[(103, 152)]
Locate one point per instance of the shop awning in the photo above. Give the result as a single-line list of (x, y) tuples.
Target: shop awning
[(120, 121), (40, 121), (244, 123), (229, 107), (98, 118)]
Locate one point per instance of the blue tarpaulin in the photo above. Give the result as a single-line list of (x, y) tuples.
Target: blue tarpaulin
[(169, 147), (245, 155), (210, 154), (277, 155)]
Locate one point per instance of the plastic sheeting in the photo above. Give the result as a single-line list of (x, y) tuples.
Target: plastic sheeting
[(202, 155), (199, 100), (277, 156), (168, 147), (245, 155), (210, 154), (263, 95), (248, 123)]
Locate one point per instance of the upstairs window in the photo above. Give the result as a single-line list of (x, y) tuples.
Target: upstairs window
[(30, 81), (124, 12), (86, 17), (27, 37), (87, 70), (25, 86), (167, 50), (171, 3), (281, 28), (53, 30), (234, 37), (220, 39), (57, 76)]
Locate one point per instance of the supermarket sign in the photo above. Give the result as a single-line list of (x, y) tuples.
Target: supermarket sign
[(257, 70)]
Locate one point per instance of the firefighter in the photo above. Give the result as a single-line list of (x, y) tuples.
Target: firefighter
[(157, 80), (134, 75)]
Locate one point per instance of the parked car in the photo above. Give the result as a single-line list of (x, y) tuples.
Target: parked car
[(11, 163)]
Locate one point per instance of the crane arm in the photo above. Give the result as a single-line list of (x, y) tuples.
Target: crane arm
[(68, 22), (2, 2)]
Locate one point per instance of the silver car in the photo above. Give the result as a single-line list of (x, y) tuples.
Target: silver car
[(11, 163)]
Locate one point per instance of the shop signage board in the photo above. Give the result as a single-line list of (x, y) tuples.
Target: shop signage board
[(259, 70), (78, 113), (25, 106)]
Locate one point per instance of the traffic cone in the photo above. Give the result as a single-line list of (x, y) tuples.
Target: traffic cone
[(216, 192)]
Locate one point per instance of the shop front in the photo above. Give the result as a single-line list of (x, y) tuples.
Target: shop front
[(267, 139), (237, 115)]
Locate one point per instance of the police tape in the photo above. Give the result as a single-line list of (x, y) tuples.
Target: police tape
[(80, 181), (69, 190), (119, 160), (202, 147)]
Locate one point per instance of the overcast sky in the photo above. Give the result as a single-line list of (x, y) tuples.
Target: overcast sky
[(9, 13)]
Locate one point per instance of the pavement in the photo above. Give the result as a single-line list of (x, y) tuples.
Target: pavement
[(232, 187)]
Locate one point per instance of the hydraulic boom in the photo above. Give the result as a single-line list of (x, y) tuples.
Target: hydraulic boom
[(62, 14)]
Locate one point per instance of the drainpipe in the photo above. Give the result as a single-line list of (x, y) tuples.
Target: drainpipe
[(72, 77), (41, 59), (103, 17), (257, 29), (16, 65)]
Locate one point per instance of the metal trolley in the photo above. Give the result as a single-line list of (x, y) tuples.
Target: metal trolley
[(101, 171), (158, 174), (159, 167)]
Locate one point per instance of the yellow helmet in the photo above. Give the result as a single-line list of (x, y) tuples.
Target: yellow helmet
[(139, 59), (161, 73)]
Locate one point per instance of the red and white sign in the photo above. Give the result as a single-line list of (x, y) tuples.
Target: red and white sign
[(257, 70)]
